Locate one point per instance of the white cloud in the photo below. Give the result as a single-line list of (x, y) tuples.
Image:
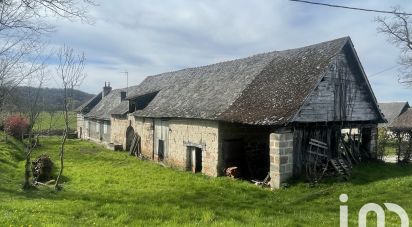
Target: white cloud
[(148, 37)]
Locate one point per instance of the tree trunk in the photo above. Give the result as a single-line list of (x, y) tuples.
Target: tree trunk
[(399, 141), (66, 130), (409, 152), (57, 186), (29, 149)]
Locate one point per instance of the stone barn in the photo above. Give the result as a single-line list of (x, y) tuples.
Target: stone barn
[(275, 114)]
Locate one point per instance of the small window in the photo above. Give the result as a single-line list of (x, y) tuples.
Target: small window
[(97, 127), (105, 128)]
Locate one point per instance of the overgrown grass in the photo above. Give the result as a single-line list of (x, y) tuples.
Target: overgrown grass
[(107, 188), (54, 121), (390, 148)]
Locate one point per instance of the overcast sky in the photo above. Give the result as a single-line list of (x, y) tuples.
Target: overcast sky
[(150, 37)]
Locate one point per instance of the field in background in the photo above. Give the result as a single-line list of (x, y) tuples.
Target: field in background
[(54, 121), (107, 188)]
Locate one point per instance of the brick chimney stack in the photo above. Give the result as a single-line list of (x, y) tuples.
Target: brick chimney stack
[(106, 89), (122, 95)]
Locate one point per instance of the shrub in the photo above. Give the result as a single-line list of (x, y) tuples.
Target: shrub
[(16, 126), (383, 141)]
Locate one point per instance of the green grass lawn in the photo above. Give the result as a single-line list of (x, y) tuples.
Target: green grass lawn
[(55, 121), (107, 188)]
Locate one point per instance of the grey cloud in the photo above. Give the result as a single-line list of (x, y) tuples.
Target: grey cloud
[(148, 37)]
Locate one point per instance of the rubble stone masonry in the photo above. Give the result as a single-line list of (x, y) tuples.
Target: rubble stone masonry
[(181, 134), (200, 133)]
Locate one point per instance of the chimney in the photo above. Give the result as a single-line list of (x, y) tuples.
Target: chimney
[(122, 96), (106, 89)]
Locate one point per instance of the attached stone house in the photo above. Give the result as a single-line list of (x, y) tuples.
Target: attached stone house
[(258, 113), (81, 111), (93, 117)]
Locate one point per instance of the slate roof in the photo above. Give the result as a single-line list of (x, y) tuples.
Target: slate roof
[(87, 106), (403, 121), (102, 110), (392, 110), (264, 89), (122, 108)]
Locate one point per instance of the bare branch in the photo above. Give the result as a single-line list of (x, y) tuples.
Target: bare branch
[(71, 75), (398, 30)]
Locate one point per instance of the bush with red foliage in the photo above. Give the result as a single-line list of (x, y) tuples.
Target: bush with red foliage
[(16, 126)]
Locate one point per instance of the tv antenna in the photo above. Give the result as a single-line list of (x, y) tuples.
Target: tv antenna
[(127, 81)]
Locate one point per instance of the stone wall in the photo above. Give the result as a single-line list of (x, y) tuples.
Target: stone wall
[(142, 126), (281, 157), (118, 130), (181, 133), (200, 133)]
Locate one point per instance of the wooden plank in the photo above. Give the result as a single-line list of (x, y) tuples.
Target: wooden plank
[(318, 154), (318, 145), (319, 142)]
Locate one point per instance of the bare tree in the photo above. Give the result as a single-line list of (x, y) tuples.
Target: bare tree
[(22, 24), (17, 64), (32, 111), (24, 15), (71, 75), (399, 31)]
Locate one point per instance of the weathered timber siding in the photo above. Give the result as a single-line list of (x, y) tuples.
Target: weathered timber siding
[(97, 132), (105, 133), (93, 133), (80, 126), (324, 103)]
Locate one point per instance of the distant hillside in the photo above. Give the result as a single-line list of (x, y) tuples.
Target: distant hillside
[(50, 98)]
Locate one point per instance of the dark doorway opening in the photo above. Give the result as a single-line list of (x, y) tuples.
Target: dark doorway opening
[(194, 159), (81, 133), (250, 158), (129, 137)]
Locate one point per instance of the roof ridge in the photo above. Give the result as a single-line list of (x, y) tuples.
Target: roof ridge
[(387, 102), (249, 56), (346, 38)]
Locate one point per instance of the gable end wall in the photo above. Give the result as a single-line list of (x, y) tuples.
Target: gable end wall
[(323, 104)]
